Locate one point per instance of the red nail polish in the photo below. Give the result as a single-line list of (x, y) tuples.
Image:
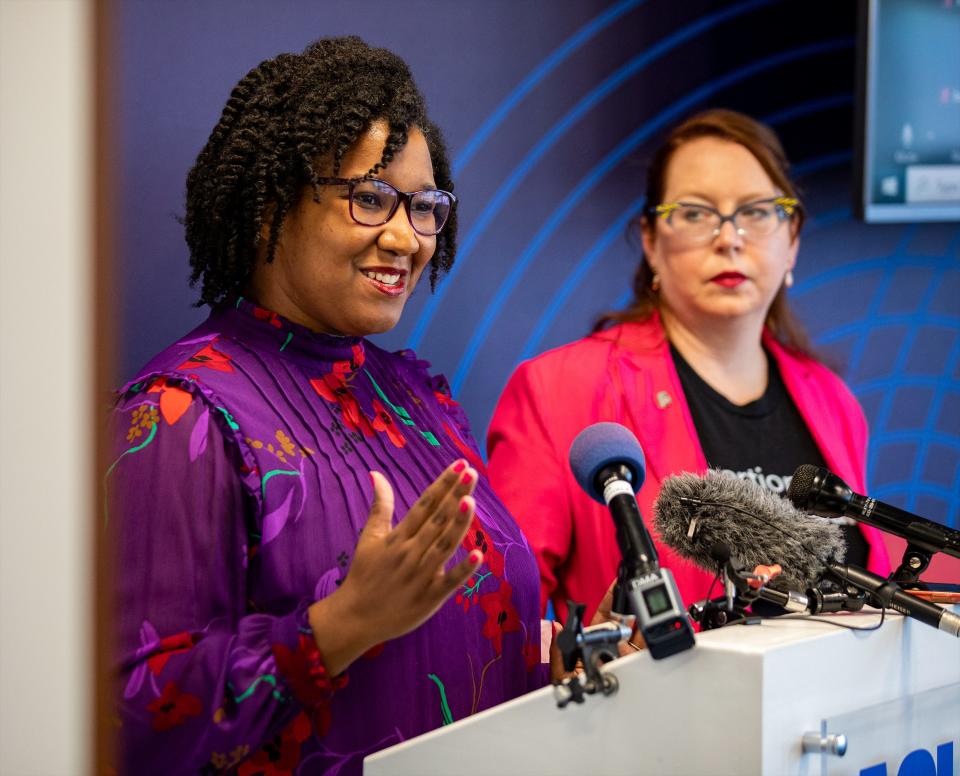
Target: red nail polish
[(467, 477), (476, 556), (459, 466), (372, 481), (464, 506)]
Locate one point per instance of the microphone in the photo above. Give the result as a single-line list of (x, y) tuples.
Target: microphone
[(888, 594), (693, 513), (609, 465), (815, 489)]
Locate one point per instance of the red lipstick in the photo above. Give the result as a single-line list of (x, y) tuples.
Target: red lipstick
[(387, 280), (728, 279)]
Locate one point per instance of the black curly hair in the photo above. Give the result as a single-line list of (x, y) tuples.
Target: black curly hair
[(286, 116)]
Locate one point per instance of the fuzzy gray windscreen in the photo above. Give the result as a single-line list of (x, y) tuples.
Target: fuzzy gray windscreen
[(768, 530)]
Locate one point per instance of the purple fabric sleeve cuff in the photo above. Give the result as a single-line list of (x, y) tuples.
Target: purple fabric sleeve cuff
[(299, 660)]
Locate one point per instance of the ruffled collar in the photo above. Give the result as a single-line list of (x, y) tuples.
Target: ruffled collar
[(246, 321)]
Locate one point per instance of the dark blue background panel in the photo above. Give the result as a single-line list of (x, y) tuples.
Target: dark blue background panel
[(552, 111)]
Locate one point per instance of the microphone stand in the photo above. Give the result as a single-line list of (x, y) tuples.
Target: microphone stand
[(913, 563), (731, 607), (728, 608)]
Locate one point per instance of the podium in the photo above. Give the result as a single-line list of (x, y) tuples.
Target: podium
[(739, 702)]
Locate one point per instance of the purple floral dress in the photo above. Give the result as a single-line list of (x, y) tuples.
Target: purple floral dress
[(236, 495)]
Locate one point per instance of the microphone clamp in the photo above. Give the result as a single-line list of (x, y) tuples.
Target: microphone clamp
[(590, 647)]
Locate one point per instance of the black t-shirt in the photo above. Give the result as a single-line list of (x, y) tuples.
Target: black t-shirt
[(763, 441)]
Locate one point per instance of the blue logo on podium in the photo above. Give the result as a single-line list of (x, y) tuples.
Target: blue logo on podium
[(920, 762)]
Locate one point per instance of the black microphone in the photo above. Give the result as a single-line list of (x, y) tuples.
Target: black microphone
[(815, 489), (608, 463), (885, 593), (693, 513)]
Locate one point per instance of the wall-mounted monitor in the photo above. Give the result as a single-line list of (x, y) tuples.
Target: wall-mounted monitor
[(908, 112)]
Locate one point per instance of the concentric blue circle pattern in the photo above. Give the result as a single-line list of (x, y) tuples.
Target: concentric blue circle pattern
[(551, 111), (890, 318)]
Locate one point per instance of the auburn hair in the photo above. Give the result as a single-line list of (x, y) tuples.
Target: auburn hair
[(762, 142)]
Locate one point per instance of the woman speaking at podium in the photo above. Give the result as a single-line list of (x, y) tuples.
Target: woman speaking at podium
[(310, 565), (707, 366)]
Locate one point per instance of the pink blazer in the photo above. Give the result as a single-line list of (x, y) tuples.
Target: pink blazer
[(625, 374)]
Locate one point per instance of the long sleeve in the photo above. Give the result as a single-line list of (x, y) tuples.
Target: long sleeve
[(529, 475), (205, 682), (239, 488)]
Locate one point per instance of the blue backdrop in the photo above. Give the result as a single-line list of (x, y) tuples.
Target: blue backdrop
[(551, 110)]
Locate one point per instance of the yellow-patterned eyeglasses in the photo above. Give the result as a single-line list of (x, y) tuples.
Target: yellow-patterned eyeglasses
[(702, 223)]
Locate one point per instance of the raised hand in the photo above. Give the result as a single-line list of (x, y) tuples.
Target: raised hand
[(397, 579)]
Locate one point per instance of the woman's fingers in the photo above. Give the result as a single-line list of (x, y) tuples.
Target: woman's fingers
[(448, 515), (381, 511), (604, 611), (448, 536), (557, 671), (431, 499), (450, 582), (398, 576)]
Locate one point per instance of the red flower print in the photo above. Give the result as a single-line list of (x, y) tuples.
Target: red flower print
[(333, 387), (322, 719), (174, 401), (466, 451), (477, 539), (445, 400), (329, 386), (173, 707), (383, 421), (210, 358), (280, 755), (355, 362), (502, 617), (171, 645), (531, 654), (271, 317), (305, 672)]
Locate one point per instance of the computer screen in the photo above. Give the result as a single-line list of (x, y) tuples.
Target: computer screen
[(909, 112)]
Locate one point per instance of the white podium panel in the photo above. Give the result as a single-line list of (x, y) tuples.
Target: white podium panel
[(739, 702)]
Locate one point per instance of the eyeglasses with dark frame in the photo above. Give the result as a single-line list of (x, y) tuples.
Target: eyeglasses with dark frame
[(373, 202), (697, 223)]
